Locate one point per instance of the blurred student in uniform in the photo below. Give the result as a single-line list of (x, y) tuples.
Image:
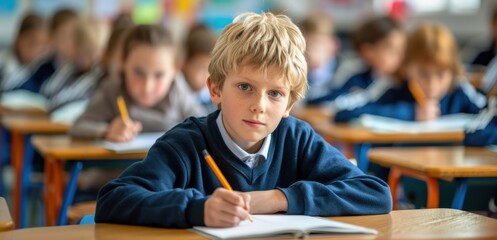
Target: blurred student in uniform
[(431, 82), (155, 99), (321, 53), (20, 61), (198, 47), (380, 42), (69, 89)]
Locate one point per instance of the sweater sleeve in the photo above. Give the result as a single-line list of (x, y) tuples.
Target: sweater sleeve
[(153, 192), (330, 185), (94, 121)]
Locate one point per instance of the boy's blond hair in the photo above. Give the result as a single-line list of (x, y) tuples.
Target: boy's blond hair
[(92, 33), (262, 41)]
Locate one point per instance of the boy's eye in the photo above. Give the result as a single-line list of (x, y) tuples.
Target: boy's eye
[(244, 87), (159, 75), (138, 72), (274, 94)]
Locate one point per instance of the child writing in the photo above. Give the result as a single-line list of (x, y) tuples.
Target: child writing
[(275, 162), (432, 83), (380, 43), (199, 44), (155, 101), (20, 62)]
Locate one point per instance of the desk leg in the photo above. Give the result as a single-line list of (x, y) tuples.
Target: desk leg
[(361, 151), (458, 200), (54, 172), (22, 157), (431, 184), (48, 191), (70, 191)]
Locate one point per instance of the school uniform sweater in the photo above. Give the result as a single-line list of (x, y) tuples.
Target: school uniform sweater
[(170, 186), (483, 137), (178, 104), (398, 102), (14, 75)]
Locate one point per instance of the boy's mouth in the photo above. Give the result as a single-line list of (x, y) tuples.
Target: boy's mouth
[(254, 123)]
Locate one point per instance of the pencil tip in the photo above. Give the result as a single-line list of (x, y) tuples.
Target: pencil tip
[(205, 152)]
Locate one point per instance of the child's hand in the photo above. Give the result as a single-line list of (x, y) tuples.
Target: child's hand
[(226, 209), (122, 131), (430, 111), (268, 202)]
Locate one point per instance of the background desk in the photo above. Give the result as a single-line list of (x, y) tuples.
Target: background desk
[(21, 128), (433, 163), (407, 224), (56, 150)]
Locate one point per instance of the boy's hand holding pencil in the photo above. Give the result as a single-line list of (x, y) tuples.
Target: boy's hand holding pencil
[(225, 207), (122, 128)]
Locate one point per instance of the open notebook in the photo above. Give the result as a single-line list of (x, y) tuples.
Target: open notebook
[(447, 123), (21, 99), (142, 142), (282, 225)]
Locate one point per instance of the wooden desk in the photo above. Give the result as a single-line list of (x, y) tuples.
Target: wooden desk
[(433, 163), (21, 128), (56, 150), (405, 224), (23, 112), (357, 140)]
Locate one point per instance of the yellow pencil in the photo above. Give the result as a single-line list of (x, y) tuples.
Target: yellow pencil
[(218, 173), (417, 92), (122, 108)]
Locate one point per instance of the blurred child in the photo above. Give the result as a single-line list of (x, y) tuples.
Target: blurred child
[(199, 44), (155, 101), (63, 49), (321, 54), (483, 58), (433, 70), (278, 163), (380, 43), (78, 80), (19, 63)]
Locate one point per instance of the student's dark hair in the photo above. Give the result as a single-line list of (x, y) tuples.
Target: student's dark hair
[(123, 20), (62, 16), (31, 21), (494, 14), (200, 40), (373, 31), (150, 35)]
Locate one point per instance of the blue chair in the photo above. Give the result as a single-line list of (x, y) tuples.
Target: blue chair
[(87, 219)]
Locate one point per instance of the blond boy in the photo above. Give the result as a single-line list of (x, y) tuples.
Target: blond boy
[(275, 163)]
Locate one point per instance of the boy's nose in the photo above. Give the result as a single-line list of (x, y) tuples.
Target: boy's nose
[(259, 105)]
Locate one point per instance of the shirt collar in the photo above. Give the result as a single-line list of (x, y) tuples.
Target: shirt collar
[(237, 150)]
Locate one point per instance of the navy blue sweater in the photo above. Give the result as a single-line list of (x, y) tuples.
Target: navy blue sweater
[(483, 137), (359, 81), (398, 102), (483, 58), (170, 186)]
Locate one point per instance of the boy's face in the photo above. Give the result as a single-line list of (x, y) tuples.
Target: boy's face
[(196, 71), (63, 41), (386, 56), (435, 81), (88, 56), (320, 49), (31, 45), (149, 73), (252, 104)]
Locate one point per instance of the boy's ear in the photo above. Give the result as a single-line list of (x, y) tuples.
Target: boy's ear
[(214, 91)]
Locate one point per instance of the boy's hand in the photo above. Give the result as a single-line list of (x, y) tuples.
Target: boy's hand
[(430, 111), (268, 202), (122, 131), (226, 209)]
